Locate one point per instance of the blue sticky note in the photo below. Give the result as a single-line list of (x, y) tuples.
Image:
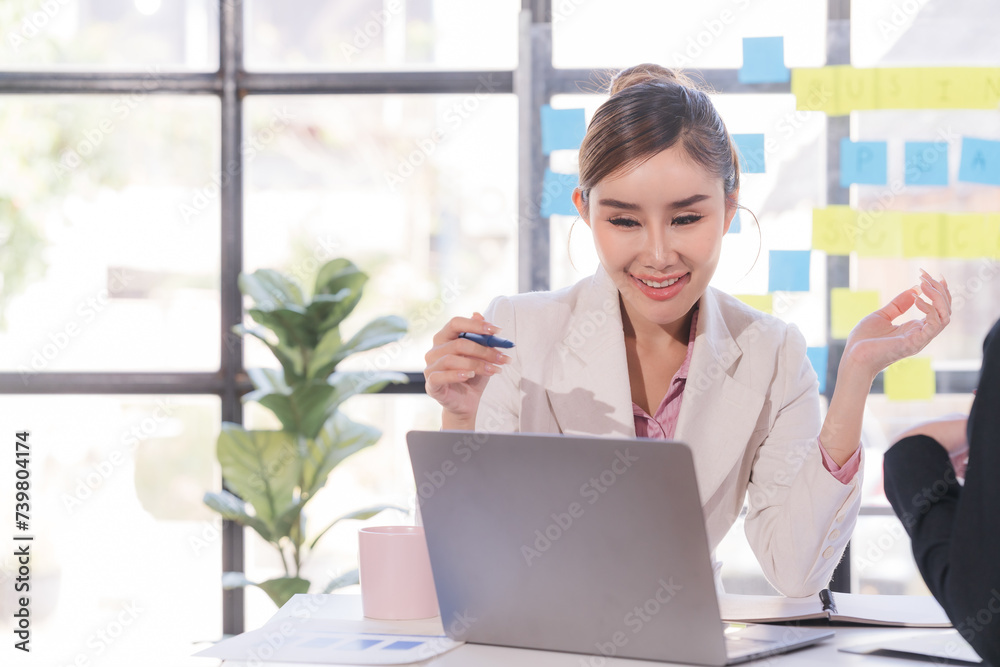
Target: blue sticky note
[(980, 161), (764, 60), (751, 148), (557, 194), (863, 162), (562, 129), (819, 358), (402, 646), (788, 271), (734, 226), (926, 163)]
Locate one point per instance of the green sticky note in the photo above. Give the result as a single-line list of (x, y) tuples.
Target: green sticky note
[(910, 379), (880, 234), (762, 302), (856, 89), (965, 235), (834, 229), (898, 88), (991, 235), (923, 235), (814, 89), (847, 308)]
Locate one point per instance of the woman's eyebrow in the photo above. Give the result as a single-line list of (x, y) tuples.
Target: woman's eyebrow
[(628, 206)]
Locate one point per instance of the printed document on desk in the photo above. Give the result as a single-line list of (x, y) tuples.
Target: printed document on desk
[(330, 630)]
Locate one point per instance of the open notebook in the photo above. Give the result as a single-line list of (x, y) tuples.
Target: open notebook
[(916, 611)]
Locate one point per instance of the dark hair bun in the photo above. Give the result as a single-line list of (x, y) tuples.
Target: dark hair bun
[(647, 73)]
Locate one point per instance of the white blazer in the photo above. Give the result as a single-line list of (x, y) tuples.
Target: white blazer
[(750, 413)]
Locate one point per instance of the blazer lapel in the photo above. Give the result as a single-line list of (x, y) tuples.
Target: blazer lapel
[(718, 414), (588, 389)]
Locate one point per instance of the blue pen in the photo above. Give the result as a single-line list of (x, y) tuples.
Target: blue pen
[(488, 341)]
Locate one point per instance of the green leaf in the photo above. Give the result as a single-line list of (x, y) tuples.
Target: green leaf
[(324, 357), (234, 509), (349, 383), (378, 332), (262, 467), (282, 589), (290, 358), (270, 289), (338, 274), (267, 381), (339, 438), (347, 579), (359, 515), (305, 410), (292, 325)]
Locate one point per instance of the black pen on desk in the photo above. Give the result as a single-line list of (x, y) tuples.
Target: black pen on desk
[(488, 341)]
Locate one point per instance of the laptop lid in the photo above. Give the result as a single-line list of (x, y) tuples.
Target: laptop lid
[(568, 543)]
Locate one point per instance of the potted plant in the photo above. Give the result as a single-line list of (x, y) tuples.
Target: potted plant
[(269, 475)]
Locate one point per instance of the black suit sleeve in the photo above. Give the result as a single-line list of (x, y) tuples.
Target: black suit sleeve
[(955, 530)]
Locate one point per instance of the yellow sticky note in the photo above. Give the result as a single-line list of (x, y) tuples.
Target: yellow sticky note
[(762, 302), (856, 89), (923, 235), (944, 88), (880, 234), (847, 308), (834, 229), (991, 235), (965, 235), (814, 89), (910, 379), (898, 88)]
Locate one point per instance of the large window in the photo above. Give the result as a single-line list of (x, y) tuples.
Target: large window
[(155, 149)]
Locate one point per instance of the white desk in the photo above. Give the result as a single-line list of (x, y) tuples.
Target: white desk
[(348, 607)]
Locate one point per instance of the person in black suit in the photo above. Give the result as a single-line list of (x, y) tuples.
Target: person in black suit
[(955, 529)]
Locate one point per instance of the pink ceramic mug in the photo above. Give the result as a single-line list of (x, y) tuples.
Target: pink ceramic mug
[(396, 580)]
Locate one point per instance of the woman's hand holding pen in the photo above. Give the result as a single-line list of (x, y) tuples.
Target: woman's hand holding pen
[(458, 369)]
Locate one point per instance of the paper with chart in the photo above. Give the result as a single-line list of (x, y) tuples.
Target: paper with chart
[(327, 642)]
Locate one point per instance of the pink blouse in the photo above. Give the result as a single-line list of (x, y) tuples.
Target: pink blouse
[(663, 422)]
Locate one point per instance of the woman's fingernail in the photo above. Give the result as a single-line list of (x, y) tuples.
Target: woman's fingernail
[(491, 369), (467, 374), (490, 329)]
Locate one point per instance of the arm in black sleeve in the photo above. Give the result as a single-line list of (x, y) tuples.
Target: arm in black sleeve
[(955, 530)]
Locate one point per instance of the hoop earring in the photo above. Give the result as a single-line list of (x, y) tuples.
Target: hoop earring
[(569, 248), (760, 238)]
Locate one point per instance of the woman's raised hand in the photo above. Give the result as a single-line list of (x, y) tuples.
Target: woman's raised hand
[(458, 370), (876, 342)]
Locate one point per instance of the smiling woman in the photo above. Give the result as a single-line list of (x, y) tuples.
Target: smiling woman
[(659, 186)]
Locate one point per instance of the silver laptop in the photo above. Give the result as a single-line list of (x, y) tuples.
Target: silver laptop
[(577, 544)]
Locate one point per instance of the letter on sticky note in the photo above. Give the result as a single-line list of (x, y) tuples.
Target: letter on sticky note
[(980, 161), (965, 235), (751, 149), (926, 163), (762, 302), (847, 308), (814, 89), (923, 235), (819, 358), (835, 229), (763, 60), (788, 271), (862, 162), (562, 129), (557, 194), (856, 88), (910, 379), (880, 234), (898, 88)]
